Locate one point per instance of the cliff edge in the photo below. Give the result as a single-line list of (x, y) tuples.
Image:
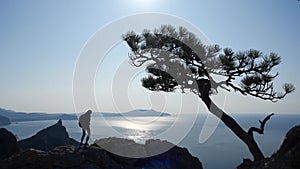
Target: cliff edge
[(287, 157)]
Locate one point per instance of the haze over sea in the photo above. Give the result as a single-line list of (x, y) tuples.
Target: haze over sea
[(222, 150)]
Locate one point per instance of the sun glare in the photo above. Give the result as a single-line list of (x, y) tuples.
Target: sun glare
[(143, 3)]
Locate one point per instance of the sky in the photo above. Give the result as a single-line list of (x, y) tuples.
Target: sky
[(41, 41)]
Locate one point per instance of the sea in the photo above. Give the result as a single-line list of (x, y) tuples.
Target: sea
[(202, 134)]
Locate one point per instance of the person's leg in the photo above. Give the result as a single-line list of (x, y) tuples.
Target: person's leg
[(88, 136), (82, 137)]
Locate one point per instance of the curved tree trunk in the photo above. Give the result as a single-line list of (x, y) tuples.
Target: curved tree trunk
[(247, 138)]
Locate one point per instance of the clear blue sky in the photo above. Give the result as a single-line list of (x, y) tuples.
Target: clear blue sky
[(41, 40)]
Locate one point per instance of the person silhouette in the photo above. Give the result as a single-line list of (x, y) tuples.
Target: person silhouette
[(84, 123)]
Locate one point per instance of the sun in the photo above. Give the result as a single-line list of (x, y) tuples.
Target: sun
[(143, 3)]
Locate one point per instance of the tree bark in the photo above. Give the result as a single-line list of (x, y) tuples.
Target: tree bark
[(247, 138), (262, 126)]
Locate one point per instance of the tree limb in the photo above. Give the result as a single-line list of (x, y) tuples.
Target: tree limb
[(262, 126)]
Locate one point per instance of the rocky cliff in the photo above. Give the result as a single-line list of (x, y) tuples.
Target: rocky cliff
[(53, 149), (94, 157), (154, 154), (8, 144), (287, 157), (49, 138)]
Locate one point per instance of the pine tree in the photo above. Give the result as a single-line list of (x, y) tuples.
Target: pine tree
[(177, 60)]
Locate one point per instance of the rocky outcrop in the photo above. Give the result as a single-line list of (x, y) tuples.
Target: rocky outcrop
[(8, 144), (49, 138), (51, 148), (287, 157), (151, 155), (60, 158), (291, 140), (94, 157), (4, 121), (129, 148)]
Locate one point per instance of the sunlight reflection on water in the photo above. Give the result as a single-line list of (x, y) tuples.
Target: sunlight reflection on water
[(137, 128)]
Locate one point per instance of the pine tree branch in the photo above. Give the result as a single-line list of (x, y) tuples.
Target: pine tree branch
[(262, 126)]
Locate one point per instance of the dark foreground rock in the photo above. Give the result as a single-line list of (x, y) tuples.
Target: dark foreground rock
[(49, 138), (287, 157), (8, 144), (94, 157), (53, 149), (154, 154), (129, 148)]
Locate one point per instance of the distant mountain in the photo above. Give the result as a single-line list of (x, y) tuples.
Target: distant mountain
[(14, 116), (145, 112), (48, 138), (22, 116), (4, 121), (137, 113), (106, 114)]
